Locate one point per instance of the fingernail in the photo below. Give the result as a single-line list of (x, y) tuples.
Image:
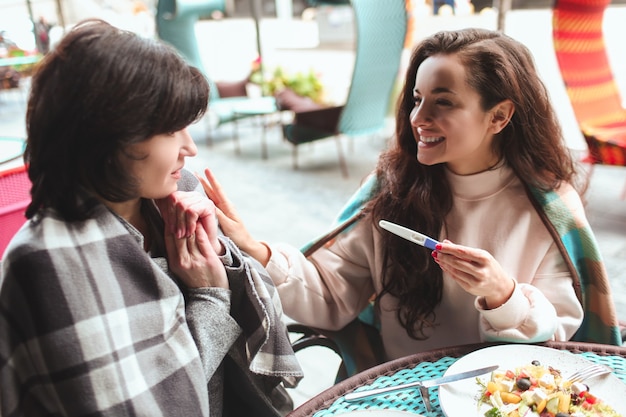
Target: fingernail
[(438, 246), (434, 254)]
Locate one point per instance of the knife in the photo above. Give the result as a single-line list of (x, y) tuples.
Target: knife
[(360, 395), (408, 234)]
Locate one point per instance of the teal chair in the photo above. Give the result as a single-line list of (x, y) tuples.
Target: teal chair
[(381, 28), (175, 21)]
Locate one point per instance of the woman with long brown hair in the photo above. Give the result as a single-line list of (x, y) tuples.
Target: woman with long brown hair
[(478, 163)]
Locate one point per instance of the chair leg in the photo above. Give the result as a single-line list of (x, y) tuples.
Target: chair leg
[(264, 138), (342, 159), (209, 129), (294, 155), (236, 137)]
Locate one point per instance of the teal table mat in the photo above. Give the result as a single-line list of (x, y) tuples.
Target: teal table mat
[(410, 400)]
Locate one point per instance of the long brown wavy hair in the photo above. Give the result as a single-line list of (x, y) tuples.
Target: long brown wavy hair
[(419, 196)]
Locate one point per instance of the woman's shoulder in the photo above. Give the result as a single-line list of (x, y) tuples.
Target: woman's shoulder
[(561, 203), (564, 193)]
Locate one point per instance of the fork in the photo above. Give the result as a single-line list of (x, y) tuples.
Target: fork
[(590, 371), (426, 398)]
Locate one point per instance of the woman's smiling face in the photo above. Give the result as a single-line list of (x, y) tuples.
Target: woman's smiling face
[(448, 121)]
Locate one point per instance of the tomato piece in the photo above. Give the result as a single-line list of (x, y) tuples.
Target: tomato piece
[(590, 398)]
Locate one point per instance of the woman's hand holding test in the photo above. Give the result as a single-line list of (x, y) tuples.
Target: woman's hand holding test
[(476, 271)]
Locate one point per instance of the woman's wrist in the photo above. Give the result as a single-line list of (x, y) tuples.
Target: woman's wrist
[(494, 302), (261, 252)]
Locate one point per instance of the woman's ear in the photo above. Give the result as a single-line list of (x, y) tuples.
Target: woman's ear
[(501, 115)]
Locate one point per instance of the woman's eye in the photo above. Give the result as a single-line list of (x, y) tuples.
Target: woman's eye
[(443, 102), (417, 100)]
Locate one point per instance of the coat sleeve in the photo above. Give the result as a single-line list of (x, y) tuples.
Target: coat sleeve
[(329, 289), (544, 309)]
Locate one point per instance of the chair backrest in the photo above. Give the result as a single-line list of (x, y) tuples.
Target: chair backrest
[(380, 33), (176, 25), (584, 64), (577, 30), (14, 197)]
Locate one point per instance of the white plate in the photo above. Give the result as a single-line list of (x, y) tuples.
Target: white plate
[(461, 398), (380, 413)]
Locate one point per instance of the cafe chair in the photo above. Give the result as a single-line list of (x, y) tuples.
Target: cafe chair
[(380, 34), (14, 197), (582, 58), (228, 102), (358, 344)]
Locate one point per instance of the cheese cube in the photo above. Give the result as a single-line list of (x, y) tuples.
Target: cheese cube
[(507, 385), (539, 395), (547, 380), (578, 387)]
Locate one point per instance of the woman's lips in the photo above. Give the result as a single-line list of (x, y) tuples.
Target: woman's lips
[(430, 141)]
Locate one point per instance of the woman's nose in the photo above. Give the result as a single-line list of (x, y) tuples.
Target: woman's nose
[(189, 146), (419, 116)]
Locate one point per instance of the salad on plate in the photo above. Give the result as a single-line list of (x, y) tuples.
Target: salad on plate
[(537, 390)]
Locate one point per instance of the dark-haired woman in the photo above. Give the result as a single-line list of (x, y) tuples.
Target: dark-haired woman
[(119, 296)]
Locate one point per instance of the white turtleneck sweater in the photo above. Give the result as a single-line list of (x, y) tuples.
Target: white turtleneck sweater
[(491, 211)]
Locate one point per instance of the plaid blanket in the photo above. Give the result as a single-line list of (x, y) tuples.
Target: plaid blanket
[(92, 325), (560, 212)]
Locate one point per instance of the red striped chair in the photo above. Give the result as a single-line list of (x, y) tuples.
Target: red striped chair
[(581, 55)]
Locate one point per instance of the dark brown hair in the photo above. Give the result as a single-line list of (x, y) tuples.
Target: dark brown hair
[(419, 196), (98, 91)]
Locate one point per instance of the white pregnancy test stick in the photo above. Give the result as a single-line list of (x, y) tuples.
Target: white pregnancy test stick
[(408, 234)]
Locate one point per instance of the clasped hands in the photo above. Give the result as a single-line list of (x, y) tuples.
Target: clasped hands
[(475, 270), (191, 241)]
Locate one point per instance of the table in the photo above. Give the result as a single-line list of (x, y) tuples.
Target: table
[(427, 365)]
